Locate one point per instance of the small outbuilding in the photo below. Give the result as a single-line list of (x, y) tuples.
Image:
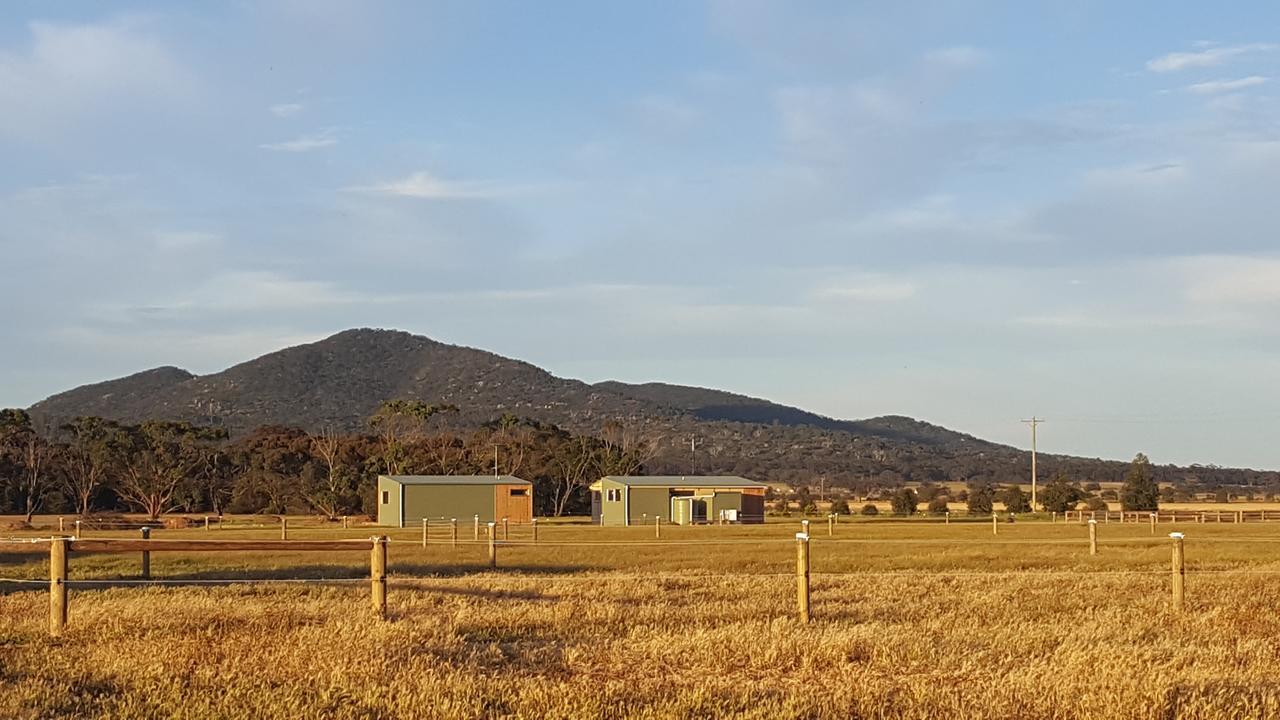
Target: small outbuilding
[(679, 499), (404, 500)]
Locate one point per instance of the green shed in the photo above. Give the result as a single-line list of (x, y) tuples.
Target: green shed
[(679, 499), (404, 500)]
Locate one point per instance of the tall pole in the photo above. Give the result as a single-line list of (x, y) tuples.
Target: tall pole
[(693, 457), (495, 461), (1033, 422)]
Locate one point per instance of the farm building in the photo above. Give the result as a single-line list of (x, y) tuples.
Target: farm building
[(404, 500), (679, 499)]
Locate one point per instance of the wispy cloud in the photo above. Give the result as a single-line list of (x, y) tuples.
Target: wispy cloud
[(1235, 280), (870, 289), (75, 72), (282, 110), (1212, 57), (959, 57), (305, 143), (427, 186), (1213, 87)]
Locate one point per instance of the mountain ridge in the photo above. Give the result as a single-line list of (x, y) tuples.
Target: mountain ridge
[(339, 381)]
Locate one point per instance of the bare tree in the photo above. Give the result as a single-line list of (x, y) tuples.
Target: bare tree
[(327, 494), (35, 480), (401, 423), (627, 448), (577, 465), (87, 459)]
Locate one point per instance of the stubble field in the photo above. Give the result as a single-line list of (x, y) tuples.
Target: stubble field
[(911, 620)]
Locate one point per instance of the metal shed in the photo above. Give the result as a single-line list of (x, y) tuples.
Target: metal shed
[(679, 499), (404, 500)]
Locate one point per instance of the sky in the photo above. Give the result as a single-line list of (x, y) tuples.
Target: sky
[(963, 211)]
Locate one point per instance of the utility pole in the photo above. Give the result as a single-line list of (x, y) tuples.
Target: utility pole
[(495, 461), (1033, 422), (693, 458)]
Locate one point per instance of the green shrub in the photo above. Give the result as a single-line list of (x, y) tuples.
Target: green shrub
[(870, 509)]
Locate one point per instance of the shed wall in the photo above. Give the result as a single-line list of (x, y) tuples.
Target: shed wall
[(516, 508), (723, 500), (388, 512), (644, 503), (612, 512), (449, 501)]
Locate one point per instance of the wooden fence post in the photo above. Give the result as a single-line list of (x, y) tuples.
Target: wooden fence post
[(946, 519), (146, 555), (831, 524), (1153, 522), (1179, 573), (453, 531), (493, 546), (206, 523), (506, 530), (78, 529), (284, 528), (657, 527), (476, 529), (425, 525), (534, 523), (344, 522), (804, 527), (802, 575), (62, 522), (57, 585), (378, 577), (1093, 537), (995, 524)]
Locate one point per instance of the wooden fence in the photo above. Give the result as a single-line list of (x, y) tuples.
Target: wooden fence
[(1172, 516), (61, 548)]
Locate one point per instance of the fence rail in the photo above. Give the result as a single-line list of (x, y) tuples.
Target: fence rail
[(61, 548)]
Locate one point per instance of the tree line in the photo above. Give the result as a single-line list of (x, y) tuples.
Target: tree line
[(95, 465)]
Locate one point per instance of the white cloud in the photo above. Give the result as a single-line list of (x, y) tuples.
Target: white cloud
[(870, 288), (72, 72), (665, 114), (185, 240), (1212, 87), (282, 110), (305, 143), (427, 186), (1211, 57), (958, 57), (1231, 280)]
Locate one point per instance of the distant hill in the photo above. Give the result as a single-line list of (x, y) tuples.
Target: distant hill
[(340, 381)]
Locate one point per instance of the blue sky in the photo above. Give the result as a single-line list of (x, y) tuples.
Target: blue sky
[(966, 212)]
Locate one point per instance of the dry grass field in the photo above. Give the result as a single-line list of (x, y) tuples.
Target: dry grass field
[(911, 620)]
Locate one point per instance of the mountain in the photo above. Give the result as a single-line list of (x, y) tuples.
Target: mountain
[(340, 381)]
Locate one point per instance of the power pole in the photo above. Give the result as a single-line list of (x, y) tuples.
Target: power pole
[(693, 458), (495, 461), (1033, 422)]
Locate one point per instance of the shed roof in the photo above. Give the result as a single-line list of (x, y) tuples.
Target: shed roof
[(690, 481), (456, 479)]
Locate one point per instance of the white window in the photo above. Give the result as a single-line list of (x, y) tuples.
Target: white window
[(613, 495)]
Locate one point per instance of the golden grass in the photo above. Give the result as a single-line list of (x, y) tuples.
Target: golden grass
[(912, 620)]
